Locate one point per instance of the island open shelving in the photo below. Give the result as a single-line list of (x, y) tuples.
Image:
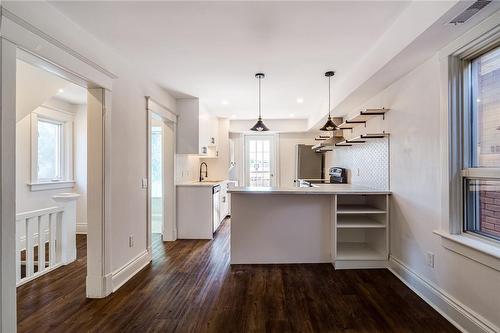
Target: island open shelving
[(361, 231)]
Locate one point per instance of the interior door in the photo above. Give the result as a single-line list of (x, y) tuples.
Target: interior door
[(260, 160)]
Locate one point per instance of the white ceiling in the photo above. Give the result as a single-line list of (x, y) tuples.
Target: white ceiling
[(212, 50), (73, 94)]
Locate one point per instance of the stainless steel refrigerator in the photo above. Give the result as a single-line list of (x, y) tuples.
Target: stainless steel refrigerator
[(308, 164)]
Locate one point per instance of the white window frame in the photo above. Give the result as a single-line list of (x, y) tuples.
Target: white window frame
[(454, 73), (66, 177)]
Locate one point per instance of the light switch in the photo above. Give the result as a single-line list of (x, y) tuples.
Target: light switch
[(144, 183)]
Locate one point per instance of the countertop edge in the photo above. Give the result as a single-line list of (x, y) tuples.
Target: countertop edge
[(309, 192), (306, 190)]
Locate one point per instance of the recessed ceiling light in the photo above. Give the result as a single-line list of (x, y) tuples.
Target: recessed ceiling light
[(61, 90), (300, 100), (224, 102), (292, 115)]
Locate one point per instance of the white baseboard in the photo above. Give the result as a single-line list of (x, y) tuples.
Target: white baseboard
[(81, 228), (126, 272), (98, 286), (457, 313)]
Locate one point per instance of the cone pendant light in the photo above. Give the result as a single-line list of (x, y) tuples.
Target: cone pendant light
[(259, 125), (329, 125)]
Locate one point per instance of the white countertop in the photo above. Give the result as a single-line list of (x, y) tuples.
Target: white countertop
[(320, 189), (203, 183)]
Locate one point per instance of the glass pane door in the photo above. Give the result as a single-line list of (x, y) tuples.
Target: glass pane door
[(156, 179), (259, 154)]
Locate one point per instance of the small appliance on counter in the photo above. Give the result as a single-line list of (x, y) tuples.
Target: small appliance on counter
[(338, 175)]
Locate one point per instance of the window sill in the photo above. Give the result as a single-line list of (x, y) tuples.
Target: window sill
[(46, 186), (472, 247)]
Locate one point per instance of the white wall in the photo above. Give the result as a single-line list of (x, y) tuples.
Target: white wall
[(415, 159), (187, 168)]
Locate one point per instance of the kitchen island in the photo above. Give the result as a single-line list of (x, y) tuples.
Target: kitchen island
[(343, 224)]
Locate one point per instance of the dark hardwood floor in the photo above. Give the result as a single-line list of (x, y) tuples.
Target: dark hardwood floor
[(190, 287)]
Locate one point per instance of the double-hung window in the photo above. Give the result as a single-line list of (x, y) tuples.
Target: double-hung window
[(51, 149), (481, 143)]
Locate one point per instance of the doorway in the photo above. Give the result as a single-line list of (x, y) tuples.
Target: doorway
[(161, 171), (51, 164), (157, 175), (74, 162), (260, 160)]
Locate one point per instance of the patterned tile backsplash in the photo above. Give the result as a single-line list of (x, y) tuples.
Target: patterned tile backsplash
[(367, 163)]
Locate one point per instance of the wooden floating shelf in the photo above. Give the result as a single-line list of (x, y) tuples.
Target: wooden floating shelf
[(355, 140), (361, 139), (374, 135), (362, 118)]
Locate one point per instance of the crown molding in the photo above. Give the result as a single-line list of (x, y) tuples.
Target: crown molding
[(31, 28)]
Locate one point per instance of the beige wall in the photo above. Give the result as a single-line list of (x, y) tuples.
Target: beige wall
[(285, 155), (415, 170)]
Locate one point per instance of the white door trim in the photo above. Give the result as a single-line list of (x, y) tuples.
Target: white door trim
[(98, 193), (7, 185)]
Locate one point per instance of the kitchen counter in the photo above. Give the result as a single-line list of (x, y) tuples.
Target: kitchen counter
[(343, 224), (327, 189), (203, 183), (201, 207)]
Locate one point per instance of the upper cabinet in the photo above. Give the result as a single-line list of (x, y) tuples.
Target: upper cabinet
[(197, 129)]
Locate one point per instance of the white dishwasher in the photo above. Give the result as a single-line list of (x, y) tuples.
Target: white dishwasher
[(215, 207)]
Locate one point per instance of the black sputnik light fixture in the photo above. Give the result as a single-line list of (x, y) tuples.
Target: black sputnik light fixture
[(329, 125), (259, 125)]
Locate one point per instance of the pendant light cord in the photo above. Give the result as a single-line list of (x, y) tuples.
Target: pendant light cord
[(260, 99), (329, 95)]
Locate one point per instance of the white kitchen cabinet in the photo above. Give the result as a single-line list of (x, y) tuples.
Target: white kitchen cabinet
[(194, 212), (197, 129), (200, 211)]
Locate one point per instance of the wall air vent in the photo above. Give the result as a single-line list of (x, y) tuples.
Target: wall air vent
[(470, 11)]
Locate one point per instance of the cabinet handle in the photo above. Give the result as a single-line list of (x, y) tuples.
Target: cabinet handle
[(223, 199)]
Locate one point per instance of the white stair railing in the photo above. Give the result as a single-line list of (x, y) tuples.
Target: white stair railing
[(35, 230)]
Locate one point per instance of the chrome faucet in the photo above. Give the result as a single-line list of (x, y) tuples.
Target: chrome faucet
[(201, 171)]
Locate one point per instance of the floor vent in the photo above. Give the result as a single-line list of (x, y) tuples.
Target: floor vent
[(469, 12)]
